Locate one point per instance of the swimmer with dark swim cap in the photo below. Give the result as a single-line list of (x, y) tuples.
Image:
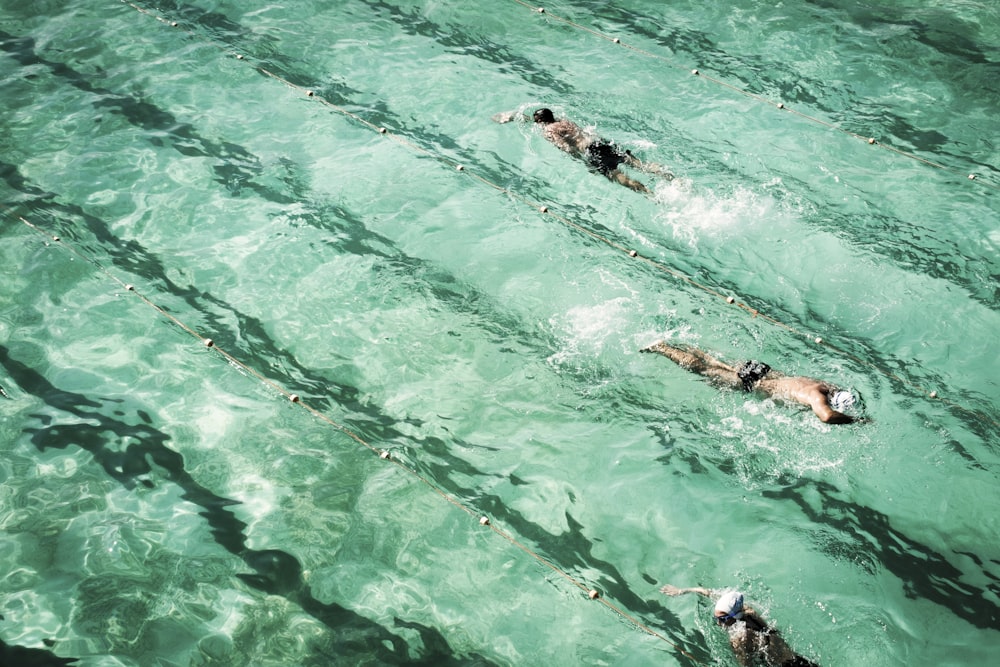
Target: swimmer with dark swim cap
[(602, 156), (752, 639), (828, 402), (544, 116)]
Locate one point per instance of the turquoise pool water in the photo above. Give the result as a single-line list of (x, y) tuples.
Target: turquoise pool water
[(165, 503)]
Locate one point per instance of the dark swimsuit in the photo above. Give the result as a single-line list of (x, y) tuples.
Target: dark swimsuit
[(766, 631), (799, 661), (604, 157), (751, 373)]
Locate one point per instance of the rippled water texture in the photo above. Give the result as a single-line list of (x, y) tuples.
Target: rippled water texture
[(166, 177)]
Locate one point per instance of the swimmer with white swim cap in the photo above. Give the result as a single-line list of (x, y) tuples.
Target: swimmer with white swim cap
[(831, 404), (843, 400), (753, 641)]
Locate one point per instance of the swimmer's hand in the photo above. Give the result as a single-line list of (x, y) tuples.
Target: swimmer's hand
[(507, 116)]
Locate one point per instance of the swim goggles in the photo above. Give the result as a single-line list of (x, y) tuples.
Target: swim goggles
[(721, 620)]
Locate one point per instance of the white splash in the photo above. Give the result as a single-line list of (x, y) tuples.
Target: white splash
[(693, 212)]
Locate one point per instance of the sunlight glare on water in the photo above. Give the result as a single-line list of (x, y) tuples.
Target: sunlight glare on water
[(166, 177)]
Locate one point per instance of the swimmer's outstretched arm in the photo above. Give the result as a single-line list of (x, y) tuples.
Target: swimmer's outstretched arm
[(673, 590), (508, 116)]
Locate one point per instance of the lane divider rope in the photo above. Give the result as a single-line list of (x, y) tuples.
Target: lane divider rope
[(592, 593), (660, 266), (383, 454), (547, 211)]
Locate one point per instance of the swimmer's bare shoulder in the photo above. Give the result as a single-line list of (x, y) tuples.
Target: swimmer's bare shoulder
[(567, 135)]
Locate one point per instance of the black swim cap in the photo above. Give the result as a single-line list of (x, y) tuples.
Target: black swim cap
[(751, 373), (544, 116)]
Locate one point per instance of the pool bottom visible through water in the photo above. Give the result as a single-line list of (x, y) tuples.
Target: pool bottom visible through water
[(422, 430)]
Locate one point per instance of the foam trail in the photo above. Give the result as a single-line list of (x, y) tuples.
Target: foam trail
[(693, 214)]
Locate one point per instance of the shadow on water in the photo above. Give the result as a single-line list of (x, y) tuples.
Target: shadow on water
[(233, 160), (456, 39), (240, 171), (273, 572), (942, 29), (868, 535), (575, 552), (20, 656), (277, 572), (950, 37), (132, 466)]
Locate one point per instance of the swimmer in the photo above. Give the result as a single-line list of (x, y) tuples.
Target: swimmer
[(827, 401), (754, 642), (600, 155)]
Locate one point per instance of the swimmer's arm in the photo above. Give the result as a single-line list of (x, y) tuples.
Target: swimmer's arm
[(839, 418), (818, 398), (508, 116), (828, 415), (673, 590)]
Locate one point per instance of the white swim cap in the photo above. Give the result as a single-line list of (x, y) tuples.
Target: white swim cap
[(730, 604), (842, 400)]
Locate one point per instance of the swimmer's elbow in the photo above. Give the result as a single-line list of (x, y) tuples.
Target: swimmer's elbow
[(834, 417)]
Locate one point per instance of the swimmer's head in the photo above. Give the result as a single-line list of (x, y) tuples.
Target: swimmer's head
[(729, 607), (544, 116), (845, 401), (752, 372)]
